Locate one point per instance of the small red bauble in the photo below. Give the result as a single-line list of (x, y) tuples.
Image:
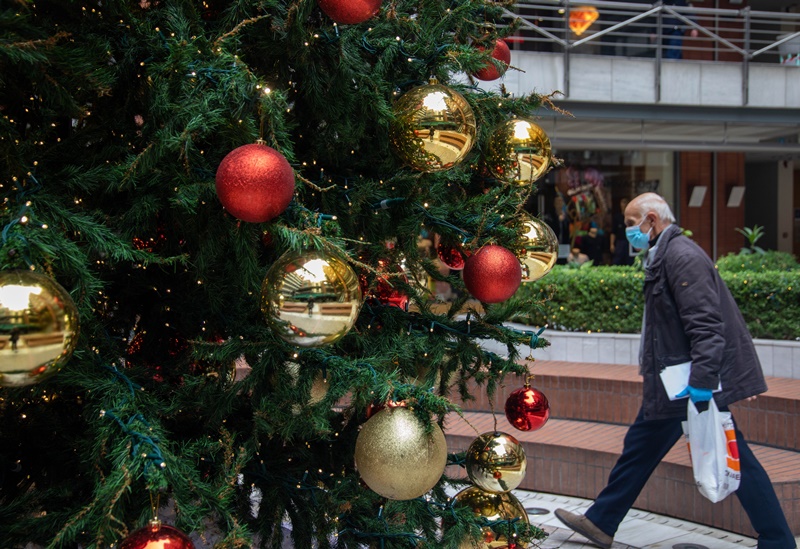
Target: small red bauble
[(502, 53), (451, 256), (527, 409), (493, 274), (389, 294), (157, 536), (350, 12), (386, 289), (255, 183)]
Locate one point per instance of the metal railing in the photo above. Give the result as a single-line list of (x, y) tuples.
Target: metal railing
[(658, 31)]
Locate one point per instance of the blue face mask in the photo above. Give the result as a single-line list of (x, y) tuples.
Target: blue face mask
[(638, 239)]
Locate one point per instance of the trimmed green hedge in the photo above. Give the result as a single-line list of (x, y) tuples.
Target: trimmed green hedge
[(768, 261), (609, 299)]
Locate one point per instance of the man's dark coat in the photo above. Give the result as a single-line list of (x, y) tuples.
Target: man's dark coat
[(690, 315)]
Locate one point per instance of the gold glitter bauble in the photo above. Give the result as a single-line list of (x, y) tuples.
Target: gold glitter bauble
[(434, 128), (396, 457), (540, 248), (518, 152), (503, 510), (311, 298), (496, 462), (38, 327)]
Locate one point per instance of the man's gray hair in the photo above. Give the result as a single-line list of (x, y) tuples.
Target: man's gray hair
[(654, 202)]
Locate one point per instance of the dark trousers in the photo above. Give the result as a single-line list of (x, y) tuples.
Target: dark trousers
[(646, 444)]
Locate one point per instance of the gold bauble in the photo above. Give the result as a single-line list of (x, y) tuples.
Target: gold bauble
[(518, 152), (396, 457), (38, 327), (540, 248), (433, 129), (496, 462), (494, 507), (311, 298)]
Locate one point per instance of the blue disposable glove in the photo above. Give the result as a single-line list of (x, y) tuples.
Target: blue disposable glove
[(697, 395)]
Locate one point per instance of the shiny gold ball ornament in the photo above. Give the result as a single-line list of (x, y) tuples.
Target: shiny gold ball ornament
[(503, 513), (433, 129), (38, 327), (496, 462), (539, 248), (518, 152), (396, 457), (311, 298)]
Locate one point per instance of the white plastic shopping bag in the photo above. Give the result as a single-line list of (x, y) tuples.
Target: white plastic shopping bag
[(713, 451)]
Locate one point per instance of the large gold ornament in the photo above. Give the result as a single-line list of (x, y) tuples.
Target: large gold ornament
[(434, 128), (496, 462), (396, 457), (311, 298), (38, 327), (518, 152), (540, 248), (504, 516)]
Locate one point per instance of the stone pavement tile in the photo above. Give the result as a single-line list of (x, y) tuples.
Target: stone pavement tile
[(639, 530), (556, 537), (643, 533), (690, 538)]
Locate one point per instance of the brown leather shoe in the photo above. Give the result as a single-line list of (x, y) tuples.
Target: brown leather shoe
[(584, 527)]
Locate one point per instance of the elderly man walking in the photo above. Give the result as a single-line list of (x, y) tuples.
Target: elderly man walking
[(689, 316)]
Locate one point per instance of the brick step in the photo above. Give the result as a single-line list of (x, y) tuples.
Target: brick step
[(574, 458), (612, 393)]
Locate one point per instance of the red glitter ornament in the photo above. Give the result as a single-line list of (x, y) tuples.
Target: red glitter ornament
[(502, 53), (451, 256), (527, 408), (350, 12), (157, 536), (255, 183), (493, 274)]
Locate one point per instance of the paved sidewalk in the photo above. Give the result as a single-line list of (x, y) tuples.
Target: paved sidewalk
[(639, 530)]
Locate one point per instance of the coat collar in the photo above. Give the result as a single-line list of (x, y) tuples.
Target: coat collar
[(656, 256)]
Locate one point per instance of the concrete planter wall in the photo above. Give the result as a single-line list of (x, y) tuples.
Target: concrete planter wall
[(778, 358)]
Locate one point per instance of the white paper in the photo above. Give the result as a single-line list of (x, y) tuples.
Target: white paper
[(676, 379)]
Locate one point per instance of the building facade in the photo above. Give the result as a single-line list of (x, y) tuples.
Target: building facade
[(699, 102)]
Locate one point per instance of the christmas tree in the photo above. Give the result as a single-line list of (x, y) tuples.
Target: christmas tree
[(225, 219)]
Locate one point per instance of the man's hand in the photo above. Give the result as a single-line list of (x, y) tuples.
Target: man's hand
[(697, 395)]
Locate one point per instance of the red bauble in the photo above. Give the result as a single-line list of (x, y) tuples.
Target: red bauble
[(158, 536), (387, 293), (451, 256), (490, 71), (386, 289), (350, 12), (493, 274), (527, 409), (255, 183)]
